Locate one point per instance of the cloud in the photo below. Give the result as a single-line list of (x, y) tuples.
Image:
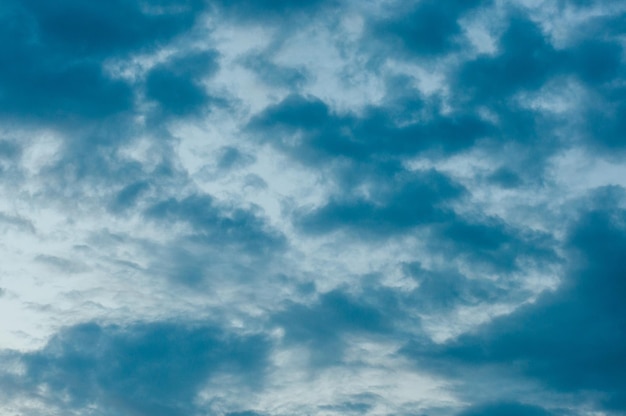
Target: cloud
[(324, 325), (176, 85), (492, 242), (54, 51), (569, 339), (244, 413), (155, 368), (128, 196), (231, 158), (424, 28), (526, 61), (404, 202), (447, 289), (118, 27), (276, 75), (367, 207), (510, 409), (268, 10), (18, 222), (211, 224), (307, 129)]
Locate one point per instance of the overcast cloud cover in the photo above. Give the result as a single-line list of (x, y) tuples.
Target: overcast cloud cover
[(315, 207)]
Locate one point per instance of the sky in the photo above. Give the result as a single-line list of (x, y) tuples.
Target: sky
[(314, 207)]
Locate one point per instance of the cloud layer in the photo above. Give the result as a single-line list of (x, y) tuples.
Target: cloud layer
[(265, 208)]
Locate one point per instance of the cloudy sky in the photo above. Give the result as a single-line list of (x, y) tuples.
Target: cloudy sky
[(314, 207)]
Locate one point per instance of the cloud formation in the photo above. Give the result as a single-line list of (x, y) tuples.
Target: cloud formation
[(266, 208)]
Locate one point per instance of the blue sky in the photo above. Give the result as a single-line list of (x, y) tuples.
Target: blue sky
[(322, 207)]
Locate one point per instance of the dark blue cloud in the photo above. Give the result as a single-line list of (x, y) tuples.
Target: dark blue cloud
[(610, 24), (325, 135), (10, 157), (406, 201), (356, 407), (488, 247), (505, 409), (91, 158), (176, 94), (323, 326), (244, 413), (127, 197), (490, 241), (176, 84), (398, 200), (35, 87), (9, 150), (525, 61), (218, 225), (78, 28), (447, 289), (311, 117), (605, 125), (276, 75), (506, 178), (265, 11), (423, 28), (52, 65), (230, 158), (596, 61), (571, 340), (145, 369)]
